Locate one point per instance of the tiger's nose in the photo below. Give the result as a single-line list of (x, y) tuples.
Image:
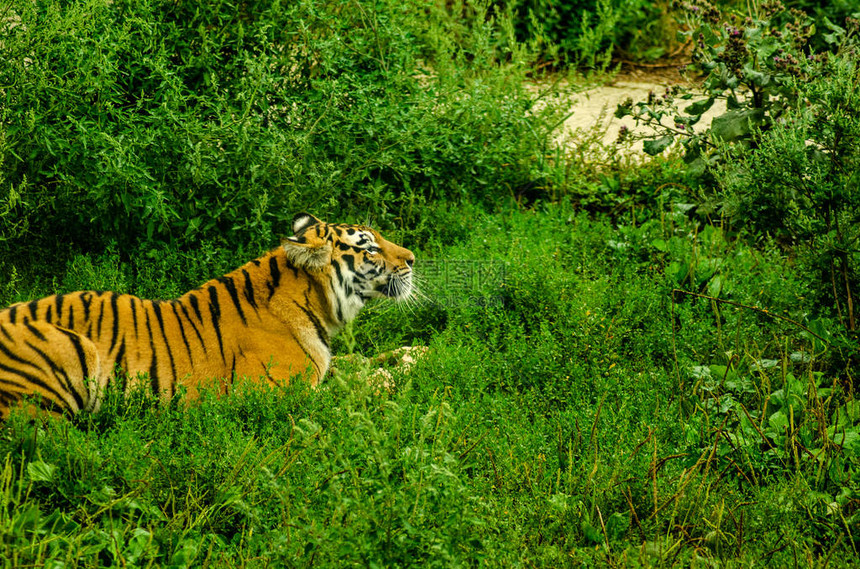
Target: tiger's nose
[(410, 259)]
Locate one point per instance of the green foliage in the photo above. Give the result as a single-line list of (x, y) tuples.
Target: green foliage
[(145, 123), (571, 407), (615, 376), (758, 64), (800, 184), (587, 33), (784, 153)]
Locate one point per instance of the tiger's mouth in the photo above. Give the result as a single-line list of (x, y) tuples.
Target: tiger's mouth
[(397, 287)]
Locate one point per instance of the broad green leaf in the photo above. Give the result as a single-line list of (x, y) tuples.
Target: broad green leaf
[(660, 245), (25, 519), (734, 125), (677, 271), (138, 544), (702, 372), (592, 533), (715, 286), (184, 554), (849, 413), (658, 145), (756, 77), (778, 421), (763, 364), (40, 471), (700, 107), (847, 437), (768, 46)]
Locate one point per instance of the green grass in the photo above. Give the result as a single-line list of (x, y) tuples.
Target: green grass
[(569, 412)]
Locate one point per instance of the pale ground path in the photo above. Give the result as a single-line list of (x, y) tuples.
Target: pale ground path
[(596, 106)]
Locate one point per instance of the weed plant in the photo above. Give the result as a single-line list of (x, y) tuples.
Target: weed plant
[(783, 156)]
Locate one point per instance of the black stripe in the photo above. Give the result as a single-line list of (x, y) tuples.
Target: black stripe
[(173, 304), (268, 375), (114, 333), (86, 300), (308, 355), (156, 307), (234, 296), (101, 309), (75, 339), (350, 263), (196, 307), (71, 324), (49, 314), (134, 302), (31, 379), (15, 357), (337, 271), (35, 331), (215, 312), (34, 308), (249, 290), (57, 371), (120, 354), (276, 275), (321, 331), (153, 366), (8, 398), (339, 276), (13, 310), (6, 333), (293, 268), (58, 303), (193, 325)]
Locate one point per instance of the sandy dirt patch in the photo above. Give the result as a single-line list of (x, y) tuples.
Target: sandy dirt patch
[(595, 108)]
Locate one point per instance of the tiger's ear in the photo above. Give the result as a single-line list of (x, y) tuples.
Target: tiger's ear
[(308, 249), (302, 221)]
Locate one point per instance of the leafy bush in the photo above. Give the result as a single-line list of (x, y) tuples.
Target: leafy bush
[(800, 184), (175, 122), (570, 407), (757, 64), (784, 153), (587, 33)]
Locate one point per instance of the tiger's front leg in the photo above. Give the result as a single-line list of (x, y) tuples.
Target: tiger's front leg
[(275, 359)]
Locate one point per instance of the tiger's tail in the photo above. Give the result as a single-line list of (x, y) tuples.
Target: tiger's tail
[(45, 366)]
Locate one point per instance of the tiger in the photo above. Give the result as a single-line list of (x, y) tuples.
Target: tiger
[(268, 321)]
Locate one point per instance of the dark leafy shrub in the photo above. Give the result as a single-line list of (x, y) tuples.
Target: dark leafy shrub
[(755, 63), (800, 184), (174, 122), (587, 33)]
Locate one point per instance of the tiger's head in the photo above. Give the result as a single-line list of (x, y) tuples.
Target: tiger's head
[(359, 262)]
